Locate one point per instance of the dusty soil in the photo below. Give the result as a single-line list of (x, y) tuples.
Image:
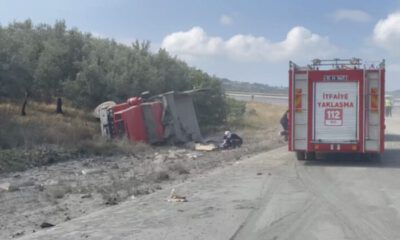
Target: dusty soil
[(64, 191), (268, 196)]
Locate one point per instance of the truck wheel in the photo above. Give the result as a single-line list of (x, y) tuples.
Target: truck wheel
[(301, 155), (373, 156), (310, 156)]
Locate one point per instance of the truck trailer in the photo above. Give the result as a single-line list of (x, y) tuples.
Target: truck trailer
[(336, 106)]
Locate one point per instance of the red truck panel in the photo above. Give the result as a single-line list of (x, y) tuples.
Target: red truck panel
[(120, 107), (130, 121), (134, 123)]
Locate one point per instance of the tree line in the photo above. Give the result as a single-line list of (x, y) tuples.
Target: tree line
[(45, 62)]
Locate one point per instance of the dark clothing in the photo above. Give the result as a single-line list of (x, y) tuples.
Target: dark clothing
[(285, 121), (285, 125), (232, 141), (388, 111)]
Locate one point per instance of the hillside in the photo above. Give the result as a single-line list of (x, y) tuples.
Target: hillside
[(395, 93)]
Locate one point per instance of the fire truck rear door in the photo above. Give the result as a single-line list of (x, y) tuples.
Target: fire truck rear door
[(335, 112)]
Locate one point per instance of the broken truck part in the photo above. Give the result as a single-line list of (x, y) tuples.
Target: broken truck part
[(180, 118), (336, 106), (168, 117)]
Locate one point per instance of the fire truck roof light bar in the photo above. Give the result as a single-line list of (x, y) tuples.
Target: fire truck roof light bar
[(335, 63)]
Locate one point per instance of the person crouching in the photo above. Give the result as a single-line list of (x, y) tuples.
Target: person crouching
[(284, 121), (231, 140)]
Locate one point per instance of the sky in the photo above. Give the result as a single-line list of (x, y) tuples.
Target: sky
[(250, 41)]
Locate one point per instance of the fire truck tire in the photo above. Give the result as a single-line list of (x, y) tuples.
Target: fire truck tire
[(310, 156), (300, 155), (373, 156)]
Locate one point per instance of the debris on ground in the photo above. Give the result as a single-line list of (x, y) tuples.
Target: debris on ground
[(172, 154), (86, 196), (46, 225), (193, 156), (205, 147), (159, 158), (91, 171), (173, 197), (18, 234), (60, 192), (5, 187), (111, 201)]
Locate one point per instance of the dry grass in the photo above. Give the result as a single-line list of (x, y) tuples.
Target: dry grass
[(98, 145), (262, 115), (54, 192), (260, 126), (43, 126), (43, 137)]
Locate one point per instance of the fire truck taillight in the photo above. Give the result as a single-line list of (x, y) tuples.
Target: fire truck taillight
[(374, 99), (298, 99)]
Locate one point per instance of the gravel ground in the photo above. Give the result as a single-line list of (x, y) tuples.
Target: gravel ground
[(268, 196), (64, 191)]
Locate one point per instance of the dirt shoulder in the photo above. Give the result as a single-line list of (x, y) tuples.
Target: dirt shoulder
[(268, 196), (60, 192), (218, 203)]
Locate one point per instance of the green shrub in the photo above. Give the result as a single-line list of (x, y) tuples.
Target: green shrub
[(235, 112)]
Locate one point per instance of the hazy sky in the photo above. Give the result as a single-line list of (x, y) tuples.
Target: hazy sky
[(241, 40)]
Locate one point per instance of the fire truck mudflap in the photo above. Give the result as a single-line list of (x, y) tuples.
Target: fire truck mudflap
[(336, 106)]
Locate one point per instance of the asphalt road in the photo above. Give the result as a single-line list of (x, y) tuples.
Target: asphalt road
[(270, 196), (263, 98)]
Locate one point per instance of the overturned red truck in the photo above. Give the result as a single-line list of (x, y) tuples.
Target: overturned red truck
[(168, 117), (336, 106)]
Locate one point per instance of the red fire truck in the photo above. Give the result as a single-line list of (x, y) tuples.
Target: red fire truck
[(336, 106)]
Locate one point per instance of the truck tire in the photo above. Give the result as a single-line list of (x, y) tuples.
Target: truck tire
[(373, 156), (300, 155), (310, 156)]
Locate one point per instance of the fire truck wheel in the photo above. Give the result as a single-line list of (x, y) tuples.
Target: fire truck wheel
[(373, 156), (310, 156), (301, 155)]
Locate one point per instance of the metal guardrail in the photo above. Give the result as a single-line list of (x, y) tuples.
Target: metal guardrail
[(258, 95), (278, 99)]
